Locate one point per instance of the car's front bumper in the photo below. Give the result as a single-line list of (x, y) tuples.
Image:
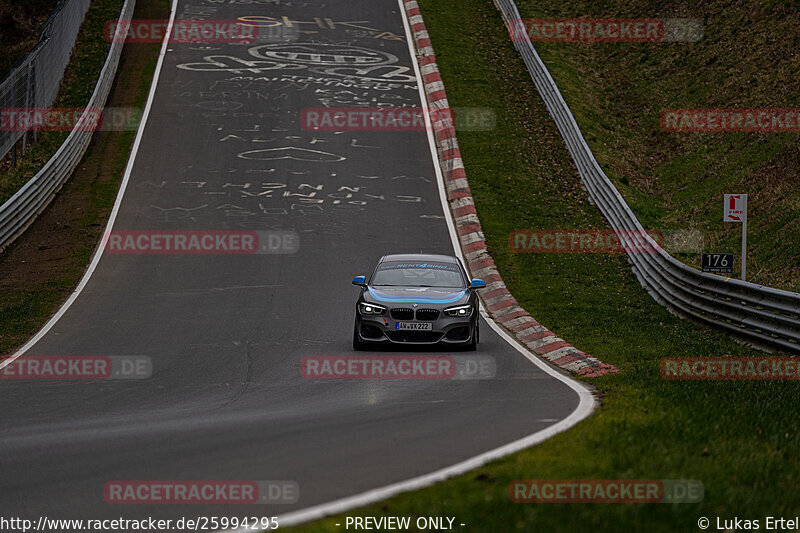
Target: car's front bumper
[(382, 329)]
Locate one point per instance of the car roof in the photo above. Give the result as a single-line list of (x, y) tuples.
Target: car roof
[(419, 257)]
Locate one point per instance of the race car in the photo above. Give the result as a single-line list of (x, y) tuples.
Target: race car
[(417, 299)]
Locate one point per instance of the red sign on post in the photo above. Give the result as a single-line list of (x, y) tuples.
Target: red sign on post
[(735, 208)]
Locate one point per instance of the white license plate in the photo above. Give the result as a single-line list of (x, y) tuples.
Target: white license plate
[(416, 326)]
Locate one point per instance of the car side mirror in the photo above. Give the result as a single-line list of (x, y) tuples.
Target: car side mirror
[(360, 280), (477, 284)]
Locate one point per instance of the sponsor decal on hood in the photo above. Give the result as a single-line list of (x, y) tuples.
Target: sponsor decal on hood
[(417, 294)]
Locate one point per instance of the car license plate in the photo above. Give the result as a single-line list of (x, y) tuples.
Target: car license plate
[(416, 326)]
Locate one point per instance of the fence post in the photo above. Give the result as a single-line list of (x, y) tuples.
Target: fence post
[(32, 82), (27, 104)]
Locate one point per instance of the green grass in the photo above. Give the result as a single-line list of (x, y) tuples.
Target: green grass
[(76, 89), (676, 181), (738, 438)]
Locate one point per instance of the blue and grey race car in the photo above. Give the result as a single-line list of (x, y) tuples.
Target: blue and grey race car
[(417, 299)]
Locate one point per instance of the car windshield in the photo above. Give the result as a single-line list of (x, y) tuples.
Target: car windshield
[(418, 274)]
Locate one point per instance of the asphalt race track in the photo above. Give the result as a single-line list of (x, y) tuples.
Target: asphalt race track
[(224, 149)]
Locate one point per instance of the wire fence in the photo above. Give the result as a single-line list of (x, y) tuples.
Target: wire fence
[(34, 80), (19, 211)]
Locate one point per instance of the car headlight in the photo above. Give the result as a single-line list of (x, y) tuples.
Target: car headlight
[(370, 309), (460, 311)]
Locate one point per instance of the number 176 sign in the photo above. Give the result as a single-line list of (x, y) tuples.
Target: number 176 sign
[(717, 263)]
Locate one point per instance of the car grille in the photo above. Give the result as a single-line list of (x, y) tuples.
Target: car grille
[(427, 314), (402, 313), (414, 336)]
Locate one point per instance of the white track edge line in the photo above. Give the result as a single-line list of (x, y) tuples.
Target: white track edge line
[(117, 203), (586, 404)]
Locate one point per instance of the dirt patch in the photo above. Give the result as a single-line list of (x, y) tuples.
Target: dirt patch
[(41, 268)]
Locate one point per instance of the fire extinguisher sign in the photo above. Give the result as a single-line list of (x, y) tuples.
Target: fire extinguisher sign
[(735, 208)]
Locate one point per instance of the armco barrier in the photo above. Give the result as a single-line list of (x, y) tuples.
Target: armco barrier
[(766, 317), (21, 210)]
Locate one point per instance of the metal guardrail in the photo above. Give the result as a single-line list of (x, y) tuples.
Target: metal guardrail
[(19, 211), (766, 317)]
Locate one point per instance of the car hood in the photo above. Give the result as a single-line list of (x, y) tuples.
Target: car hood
[(422, 295)]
